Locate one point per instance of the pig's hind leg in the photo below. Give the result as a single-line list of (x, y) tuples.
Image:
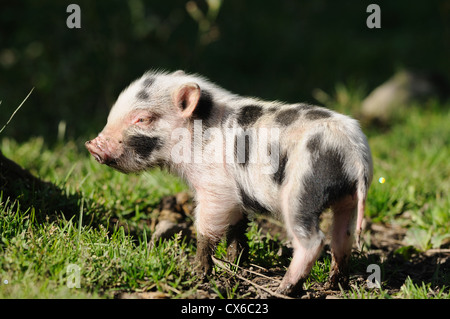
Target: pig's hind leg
[(306, 251), (344, 215), (302, 225)]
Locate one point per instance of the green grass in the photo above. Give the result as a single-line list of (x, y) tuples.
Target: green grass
[(413, 158), (36, 259), (409, 290), (99, 219)]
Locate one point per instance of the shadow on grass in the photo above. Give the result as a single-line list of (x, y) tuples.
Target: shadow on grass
[(429, 267), (49, 201)]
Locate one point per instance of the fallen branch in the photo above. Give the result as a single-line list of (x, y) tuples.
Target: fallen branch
[(437, 251), (221, 264), (248, 270)]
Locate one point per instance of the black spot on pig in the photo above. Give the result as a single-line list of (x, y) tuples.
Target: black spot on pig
[(249, 115), (326, 183), (316, 114), (144, 145), (303, 106), (142, 95), (251, 204), (286, 117), (148, 82), (314, 142), (204, 106), (280, 174)]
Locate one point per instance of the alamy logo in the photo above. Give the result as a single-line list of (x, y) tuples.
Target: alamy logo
[(259, 146), (74, 277), (374, 19), (374, 280), (74, 19)]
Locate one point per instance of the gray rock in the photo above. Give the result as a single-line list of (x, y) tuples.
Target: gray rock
[(400, 91), (165, 229)]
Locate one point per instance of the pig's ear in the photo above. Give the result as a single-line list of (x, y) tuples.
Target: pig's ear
[(186, 98)]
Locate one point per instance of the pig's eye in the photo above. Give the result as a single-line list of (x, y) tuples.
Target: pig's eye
[(143, 120)]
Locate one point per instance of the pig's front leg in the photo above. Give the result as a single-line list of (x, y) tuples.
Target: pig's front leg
[(205, 249), (213, 218)]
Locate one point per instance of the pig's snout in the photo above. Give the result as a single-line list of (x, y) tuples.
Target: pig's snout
[(96, 151), (101, 149)]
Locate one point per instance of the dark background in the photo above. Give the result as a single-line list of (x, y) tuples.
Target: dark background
[(272, 49)]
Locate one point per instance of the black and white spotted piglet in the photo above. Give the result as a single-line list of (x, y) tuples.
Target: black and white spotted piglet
[(242, 155)]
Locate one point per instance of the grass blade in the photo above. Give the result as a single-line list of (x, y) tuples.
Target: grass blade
[(17, 109)]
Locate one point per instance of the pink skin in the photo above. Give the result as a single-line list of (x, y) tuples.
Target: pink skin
[(102, 148)]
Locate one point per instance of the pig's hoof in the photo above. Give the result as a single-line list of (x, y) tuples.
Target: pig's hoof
[(237, 251), (336, 281), (203, 270), (202, 275), (291, 290)]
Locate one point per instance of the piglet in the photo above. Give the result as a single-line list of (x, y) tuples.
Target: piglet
[(242, 155)]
